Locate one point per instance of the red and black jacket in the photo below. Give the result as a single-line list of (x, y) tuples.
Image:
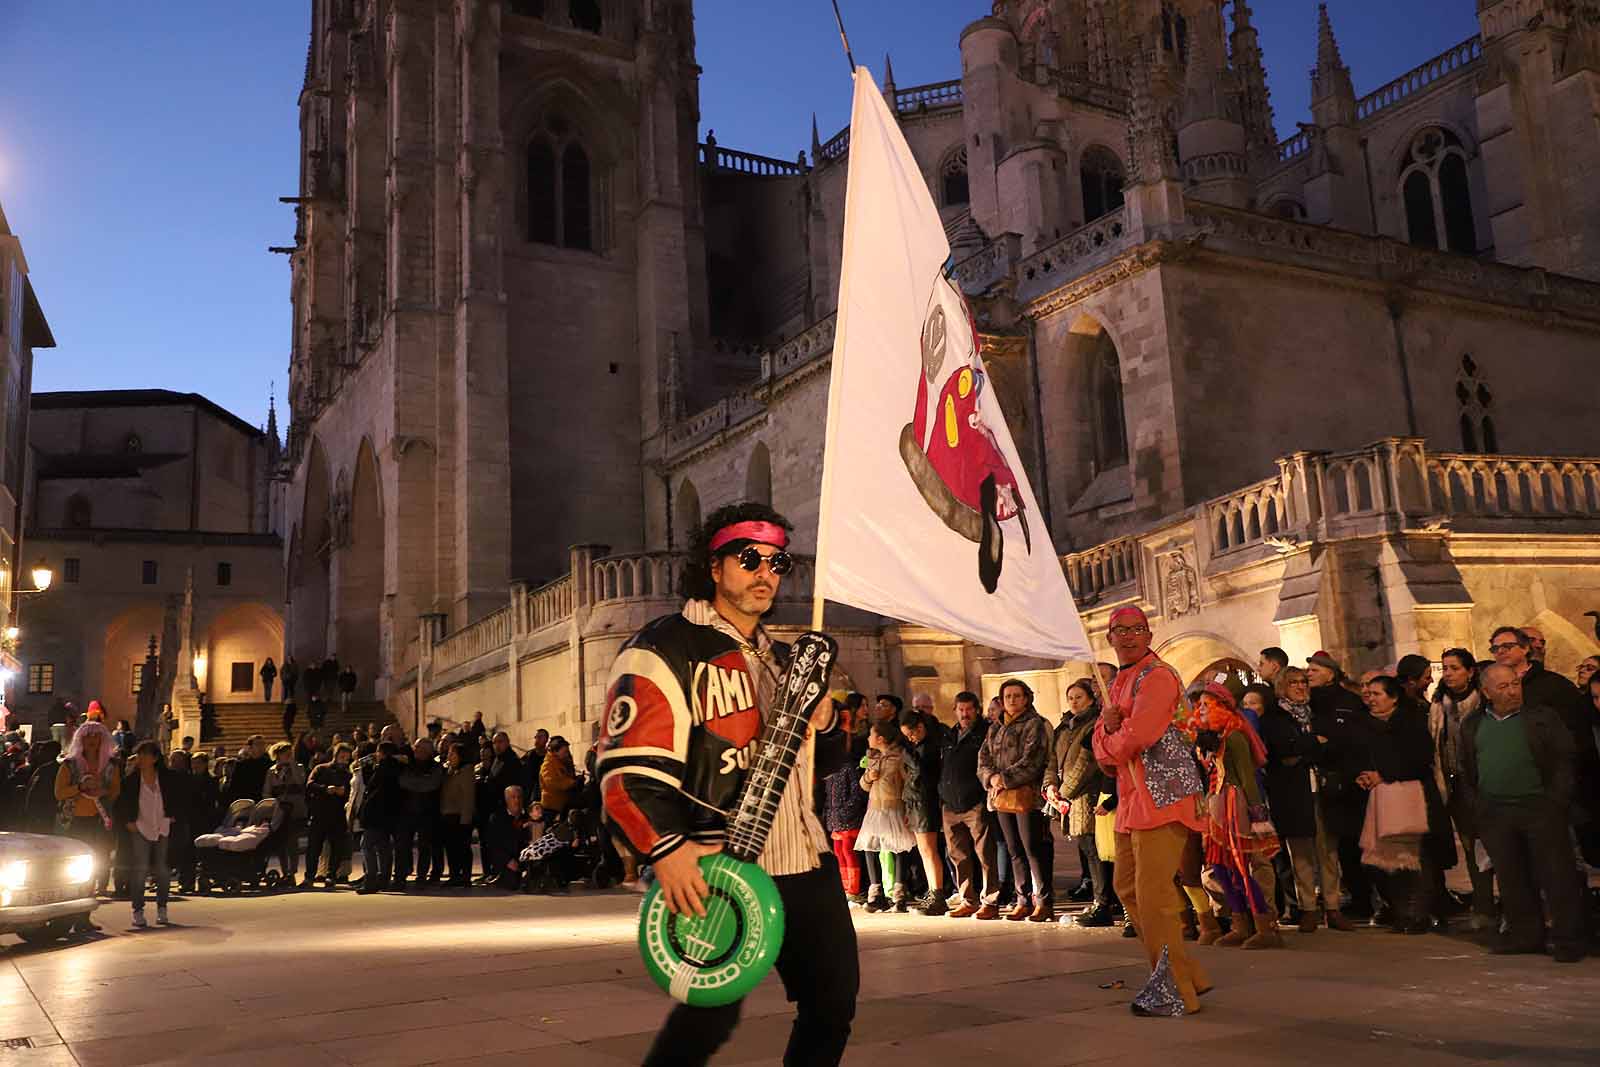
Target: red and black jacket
[(682, 718)]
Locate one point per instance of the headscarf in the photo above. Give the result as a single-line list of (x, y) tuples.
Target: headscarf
[(75, 751), (1235, 722), (96, 713)]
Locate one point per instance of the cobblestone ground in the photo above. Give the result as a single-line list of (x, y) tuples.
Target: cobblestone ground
[(315, 977)]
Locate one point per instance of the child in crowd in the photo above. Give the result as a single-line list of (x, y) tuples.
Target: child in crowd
[(884, 829)]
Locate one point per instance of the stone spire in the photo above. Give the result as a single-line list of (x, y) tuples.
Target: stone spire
[(1150, 139), (1255, 99), (816, 141), (1333, 95), (1204, 95), (888, 71), (1211, 139)]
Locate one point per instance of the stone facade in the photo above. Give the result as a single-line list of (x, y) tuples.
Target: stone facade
[(22, 329), (1175, 303), (157, 513)]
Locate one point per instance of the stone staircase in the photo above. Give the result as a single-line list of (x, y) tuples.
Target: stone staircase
[(235, 723)]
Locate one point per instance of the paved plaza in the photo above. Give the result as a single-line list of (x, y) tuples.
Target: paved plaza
[(320, 978)]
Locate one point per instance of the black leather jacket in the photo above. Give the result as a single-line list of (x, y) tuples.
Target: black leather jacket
[(681, 724)]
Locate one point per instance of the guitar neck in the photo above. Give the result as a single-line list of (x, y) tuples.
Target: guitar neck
[(778, 748)]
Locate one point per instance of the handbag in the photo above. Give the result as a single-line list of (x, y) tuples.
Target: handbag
[(1020, 801), (1170, 770), (1402, 809)]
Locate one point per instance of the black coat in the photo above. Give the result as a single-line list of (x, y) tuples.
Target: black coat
[(1401, 750), (381, 802), (1338, 715), (205, 803), (504, 772), (325, 808), (1292, 755), (174, 797), (504, 838), (1546, 689), (959, 788), (1549, 743), (249, 778)]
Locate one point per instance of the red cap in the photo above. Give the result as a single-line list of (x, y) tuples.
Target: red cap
[(1129, 611)]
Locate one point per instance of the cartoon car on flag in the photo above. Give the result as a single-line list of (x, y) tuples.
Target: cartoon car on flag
[(948, 448)]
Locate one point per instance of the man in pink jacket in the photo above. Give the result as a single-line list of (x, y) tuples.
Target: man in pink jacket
[(1150, 839)]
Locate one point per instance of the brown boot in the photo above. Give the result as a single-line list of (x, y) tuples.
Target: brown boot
[(964, 909), (1210, 929), (1043, 913), (1240, 932), (1022, 910), (987, 912), (1309, 921), (1266, 935), (1337, 921)]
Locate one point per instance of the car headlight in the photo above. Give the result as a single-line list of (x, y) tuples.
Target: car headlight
[(80, 868), (14, 875)]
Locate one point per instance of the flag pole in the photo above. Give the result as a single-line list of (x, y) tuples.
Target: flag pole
[(844, 38), (818, 601)]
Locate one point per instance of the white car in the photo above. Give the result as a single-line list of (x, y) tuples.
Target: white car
[(46, 885)]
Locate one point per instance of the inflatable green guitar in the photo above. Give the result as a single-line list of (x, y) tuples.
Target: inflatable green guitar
[(719, 958)]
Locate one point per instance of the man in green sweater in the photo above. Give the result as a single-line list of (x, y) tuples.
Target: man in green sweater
[(1518, 764)]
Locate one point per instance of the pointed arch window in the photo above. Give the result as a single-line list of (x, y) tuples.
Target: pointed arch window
[(1102, 178), (1110, 421), (1437, 194), (954, 189), (565, 192)]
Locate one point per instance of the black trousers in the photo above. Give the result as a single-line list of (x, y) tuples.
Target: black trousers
[(1532, 851), (330, 834), (419, 832), (821, 974), (1032, 853), (457, 837)]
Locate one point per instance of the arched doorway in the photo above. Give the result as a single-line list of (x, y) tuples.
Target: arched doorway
[(309, 578), (359, 638), (1084, 418), (127, 640), (1200, 657), (236, 643)]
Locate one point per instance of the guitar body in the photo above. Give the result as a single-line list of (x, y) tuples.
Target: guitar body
[(722, 957), (718, 959)]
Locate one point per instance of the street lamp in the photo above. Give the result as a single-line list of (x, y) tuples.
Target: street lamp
[(42, 576)]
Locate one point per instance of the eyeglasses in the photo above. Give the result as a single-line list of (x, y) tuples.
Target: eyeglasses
[(1128, 631), (780, 562), (1505, 646), (1298, 683)]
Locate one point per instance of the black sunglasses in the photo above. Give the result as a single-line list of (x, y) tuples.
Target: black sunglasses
[(779, 562)]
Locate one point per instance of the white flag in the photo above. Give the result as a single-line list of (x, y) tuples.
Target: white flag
[(927, 514)]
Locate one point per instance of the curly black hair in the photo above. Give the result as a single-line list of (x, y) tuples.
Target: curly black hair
[(696, 582)]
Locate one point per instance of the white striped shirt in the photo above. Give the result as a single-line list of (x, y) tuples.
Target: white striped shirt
[(797, 840)]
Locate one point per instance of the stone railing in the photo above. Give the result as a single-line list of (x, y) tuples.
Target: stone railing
[(835, 148), (812, 343), (1248, 516), (1460, 57), (549, 604), (1514, 486), (928, 97), (489, 633), (714, 155), (1294, 147), (1069, 256), (1102, 569), (655, 575), (985, 267)]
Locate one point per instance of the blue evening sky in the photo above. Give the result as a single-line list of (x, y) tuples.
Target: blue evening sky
[(143, 148)]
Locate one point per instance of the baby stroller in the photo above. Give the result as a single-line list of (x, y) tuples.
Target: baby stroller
[(236, 854)]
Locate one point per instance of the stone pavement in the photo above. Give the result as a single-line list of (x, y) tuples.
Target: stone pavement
[(320, 978)]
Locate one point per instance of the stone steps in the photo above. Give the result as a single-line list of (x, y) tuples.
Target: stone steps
[(235, 723)]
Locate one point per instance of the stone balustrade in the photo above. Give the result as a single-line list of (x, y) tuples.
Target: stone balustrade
[(1094, 573), (643, 576), (1461, 57), (549, 604), (1074, 253), (1524, 487), (488, 634), (1248, 516), (928, 97), (1292, 148), (715, 156)]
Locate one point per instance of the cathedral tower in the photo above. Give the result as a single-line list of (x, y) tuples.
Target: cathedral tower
[(499, 247)]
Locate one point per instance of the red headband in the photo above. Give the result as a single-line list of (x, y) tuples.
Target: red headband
[(767, 533), (1128, 611)]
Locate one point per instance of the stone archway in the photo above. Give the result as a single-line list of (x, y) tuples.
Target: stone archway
[(309, 581), (236, 643), (1083, 418), (126, 642), (1193, 655), (361, 587)]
